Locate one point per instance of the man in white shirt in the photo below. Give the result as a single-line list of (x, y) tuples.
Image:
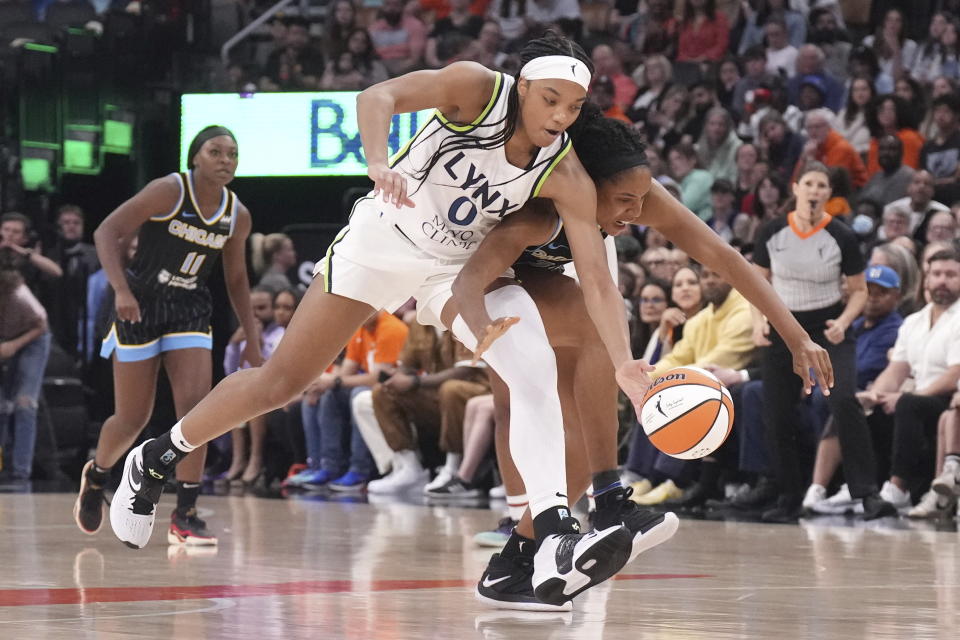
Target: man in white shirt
[(928, 350), (781, 55), (919, 202)]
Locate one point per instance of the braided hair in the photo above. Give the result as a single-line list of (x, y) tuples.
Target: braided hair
[(606, 147), (551, 44)]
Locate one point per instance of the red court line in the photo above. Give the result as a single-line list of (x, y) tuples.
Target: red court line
[(34, 597)]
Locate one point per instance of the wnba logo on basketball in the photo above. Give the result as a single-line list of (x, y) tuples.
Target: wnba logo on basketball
[(687, 413)]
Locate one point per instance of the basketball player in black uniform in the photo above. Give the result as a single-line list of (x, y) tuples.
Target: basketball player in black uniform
[(184, 222), (614, 156)]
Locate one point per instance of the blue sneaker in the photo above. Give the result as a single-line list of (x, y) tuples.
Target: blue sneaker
[(498, 537), (317, 479), (350, 482)]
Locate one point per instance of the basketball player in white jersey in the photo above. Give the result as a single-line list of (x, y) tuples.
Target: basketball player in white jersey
[(493, 143)]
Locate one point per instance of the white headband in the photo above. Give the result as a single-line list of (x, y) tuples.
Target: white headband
[(557, 67)]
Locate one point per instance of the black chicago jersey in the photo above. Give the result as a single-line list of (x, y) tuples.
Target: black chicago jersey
[(552, 255), (177, 251)]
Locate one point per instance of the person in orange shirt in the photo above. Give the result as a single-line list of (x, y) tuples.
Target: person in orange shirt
[(328, 422), (602, 94), (889, 114), (828, 147)]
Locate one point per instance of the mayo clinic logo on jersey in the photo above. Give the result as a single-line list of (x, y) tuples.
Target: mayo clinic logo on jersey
[(166, 278), (464, 209), (196, 235)]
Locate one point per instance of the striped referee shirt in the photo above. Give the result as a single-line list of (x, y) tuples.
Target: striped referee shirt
[(806, 267)]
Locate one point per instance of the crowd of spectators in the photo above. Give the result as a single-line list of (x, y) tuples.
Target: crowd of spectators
[(733, 100)]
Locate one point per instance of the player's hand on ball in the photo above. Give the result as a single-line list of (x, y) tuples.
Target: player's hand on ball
[(127, 307), (392, 183), (633, 379), (807, 356), (493, 331)]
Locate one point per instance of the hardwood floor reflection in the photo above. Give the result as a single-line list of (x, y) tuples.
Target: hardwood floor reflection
[(301, 568)]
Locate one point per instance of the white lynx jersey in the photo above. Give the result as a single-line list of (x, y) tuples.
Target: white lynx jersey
[(467, 191)]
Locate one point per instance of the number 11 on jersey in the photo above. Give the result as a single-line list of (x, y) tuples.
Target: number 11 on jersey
[(192, 263)]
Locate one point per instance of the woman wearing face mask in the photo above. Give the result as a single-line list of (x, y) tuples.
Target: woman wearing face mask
[(806, 255)]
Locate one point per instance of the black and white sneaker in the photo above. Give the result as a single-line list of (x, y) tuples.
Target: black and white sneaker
[(648, 528), (88, 509), (570, 562), (452, 489), (135, 501), (506, 584)]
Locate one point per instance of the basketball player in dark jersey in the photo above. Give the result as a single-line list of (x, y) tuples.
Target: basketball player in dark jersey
[(184, 221), (614, 156)]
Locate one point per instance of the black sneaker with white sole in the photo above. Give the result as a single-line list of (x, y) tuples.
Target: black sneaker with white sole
[(506, 584), (453, 489), (88, 509), (569, 562), (648, 528)]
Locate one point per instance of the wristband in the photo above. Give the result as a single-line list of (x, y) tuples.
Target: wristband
[(417, 381), (337, 382)]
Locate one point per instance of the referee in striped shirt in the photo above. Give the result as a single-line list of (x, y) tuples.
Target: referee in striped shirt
[(805, 256)]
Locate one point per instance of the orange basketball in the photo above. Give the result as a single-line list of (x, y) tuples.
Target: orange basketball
[(687, 413)]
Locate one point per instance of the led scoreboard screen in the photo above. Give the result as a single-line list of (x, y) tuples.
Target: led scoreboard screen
[(290, 134)]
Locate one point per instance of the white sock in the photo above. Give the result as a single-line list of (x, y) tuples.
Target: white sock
[(453, 462), (951, 462), (176, 435), (525, 360), (516, 505)]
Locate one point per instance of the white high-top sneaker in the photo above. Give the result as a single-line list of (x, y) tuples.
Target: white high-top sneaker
[(895, 496), (948, 482), (815, 493), (407, 471), (932, 505), (445, 474)]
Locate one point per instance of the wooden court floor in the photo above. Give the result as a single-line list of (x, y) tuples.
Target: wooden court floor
[(329, 570)]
